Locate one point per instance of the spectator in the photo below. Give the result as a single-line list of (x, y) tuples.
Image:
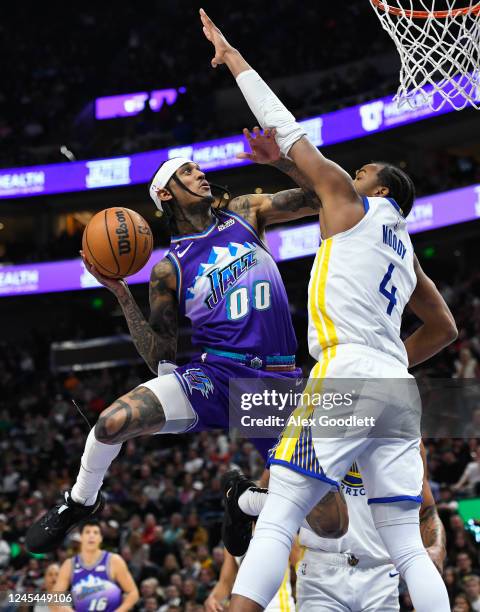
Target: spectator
[(471, 585), (464, 564), (461, 604), (469, 482), (190, 591), (172, 598), (195, 533), (191, 567), (175, 530), (148, 535), (466, 366), (450, 579), (170, 566)]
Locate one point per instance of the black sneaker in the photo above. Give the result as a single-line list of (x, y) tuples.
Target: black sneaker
[(48, 532), (237, 525)]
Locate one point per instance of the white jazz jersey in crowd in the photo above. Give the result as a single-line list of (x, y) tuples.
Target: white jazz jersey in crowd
[(360, 282), (325, 583)]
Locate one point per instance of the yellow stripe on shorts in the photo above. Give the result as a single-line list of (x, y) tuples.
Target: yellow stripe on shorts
[(327, 338), (283, 594)]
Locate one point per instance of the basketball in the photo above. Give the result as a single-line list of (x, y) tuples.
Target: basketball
[(117, 241)]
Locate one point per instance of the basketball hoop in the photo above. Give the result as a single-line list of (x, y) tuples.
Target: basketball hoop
[(439, 48)]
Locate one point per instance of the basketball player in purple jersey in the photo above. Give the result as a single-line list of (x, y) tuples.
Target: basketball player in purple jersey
[(99, 581), (220, 274)]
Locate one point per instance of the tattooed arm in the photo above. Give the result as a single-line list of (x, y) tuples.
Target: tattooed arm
[(431, 527), (156, 339), (266, 209)]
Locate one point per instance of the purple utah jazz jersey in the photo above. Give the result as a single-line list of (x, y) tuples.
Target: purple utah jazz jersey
[(230, 288), (92, 587)]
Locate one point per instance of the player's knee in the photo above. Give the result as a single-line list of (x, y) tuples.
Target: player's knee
[(329, 518), (275, 530), (110, 425)]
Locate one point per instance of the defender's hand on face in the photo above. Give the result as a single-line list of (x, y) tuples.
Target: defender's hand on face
[(218, 40), (263, 146), (116, 286)]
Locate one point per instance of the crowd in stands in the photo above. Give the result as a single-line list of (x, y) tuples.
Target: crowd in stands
[(45, 97), (164, 510)]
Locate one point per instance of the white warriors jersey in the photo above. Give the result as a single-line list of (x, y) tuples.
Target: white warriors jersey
[(360, 282), (361, 539), (283, 600)]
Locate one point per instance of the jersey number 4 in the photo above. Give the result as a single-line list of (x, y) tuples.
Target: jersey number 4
[(391, 294)]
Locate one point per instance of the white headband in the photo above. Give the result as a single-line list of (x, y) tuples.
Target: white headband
[(164, 174)]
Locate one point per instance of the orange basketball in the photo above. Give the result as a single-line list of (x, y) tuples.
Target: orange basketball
[(117, 241)]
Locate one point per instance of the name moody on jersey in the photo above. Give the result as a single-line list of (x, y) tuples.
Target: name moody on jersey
[(393, 241), (222, 280)]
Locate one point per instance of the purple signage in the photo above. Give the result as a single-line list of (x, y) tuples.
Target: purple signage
[(286, 243), (128, 105), (331, 128), (125, 105)]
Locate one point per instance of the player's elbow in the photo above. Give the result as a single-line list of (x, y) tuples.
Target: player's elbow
[(442, 327), (449, 330)]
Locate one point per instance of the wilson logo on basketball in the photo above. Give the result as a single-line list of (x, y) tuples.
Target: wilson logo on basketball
[(124, 246)]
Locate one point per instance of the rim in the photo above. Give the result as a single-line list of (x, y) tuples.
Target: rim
[(393, 10)]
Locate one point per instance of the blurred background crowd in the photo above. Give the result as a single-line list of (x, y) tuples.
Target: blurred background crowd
[(45, 106)]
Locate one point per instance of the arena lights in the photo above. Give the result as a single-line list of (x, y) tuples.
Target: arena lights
[(339, 126), (128, 105), (457, 206)]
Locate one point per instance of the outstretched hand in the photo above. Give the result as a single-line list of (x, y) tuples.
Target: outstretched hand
[(116, 286), (218, 40), (264, 148)]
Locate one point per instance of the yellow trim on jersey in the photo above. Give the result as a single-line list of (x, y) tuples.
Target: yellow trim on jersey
[(327, 337), (283, 594), (326, 332), (290, 435)]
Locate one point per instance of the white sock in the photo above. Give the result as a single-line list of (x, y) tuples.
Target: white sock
[(291, 496), (96, 460), (405, 547), (252, 501)]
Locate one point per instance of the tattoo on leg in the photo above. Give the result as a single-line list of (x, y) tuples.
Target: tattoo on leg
[(135, 414)]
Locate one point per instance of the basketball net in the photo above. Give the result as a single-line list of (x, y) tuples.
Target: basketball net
[(439, 48)]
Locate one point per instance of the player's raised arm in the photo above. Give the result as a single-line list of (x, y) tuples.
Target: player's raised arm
[(438, 328), (333, 186)]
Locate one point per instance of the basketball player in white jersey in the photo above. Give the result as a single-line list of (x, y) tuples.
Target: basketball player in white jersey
[(364, 275), (353, 573)]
